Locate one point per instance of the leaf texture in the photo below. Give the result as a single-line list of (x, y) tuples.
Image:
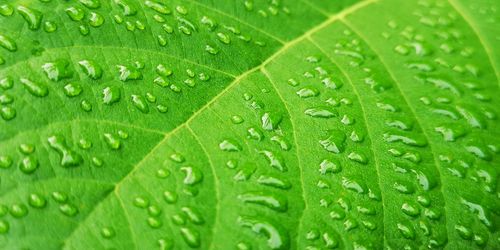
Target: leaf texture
[(256, 124)]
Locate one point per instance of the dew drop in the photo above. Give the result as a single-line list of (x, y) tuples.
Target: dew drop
[(91, 69), (7, 113), (35, 88), (31, 16), (28, 164), (36, 200), (57, 70), (73, 89), (140, 103), (69, 158), (112, 142), (191, 237), (334, 142), (111, 95), (7, 43), (5, 161), (68, 209)]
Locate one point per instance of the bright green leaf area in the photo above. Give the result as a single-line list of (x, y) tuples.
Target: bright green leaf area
[(249, 124)]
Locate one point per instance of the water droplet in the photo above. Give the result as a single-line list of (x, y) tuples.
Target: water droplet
[(193, 215), (193, 175), (86, 106), (8, 113), (73, 89), (35, 88), (126, 7), (91, 69), (141, 202), (270, 121), (236, 119), (229, 146), (357, 157), (140, 103), (6, 99), (334, 142), (112, 141), (57, 70), (97, 162), (8, 43), (28, 164), (321, 112), (464, 232), (4, 225), (18, 210), (223, 38), (181, 10), (177, 157), (49, 26), (158, 7), (128, 73), (284, 145), (107, 232), (75, 13), (277, 203), (274, 160), (170, 197), (410, 209), (405, 188), (5, 161), (254, 133), (191, 237), (406, 230), (37, 201), (207, 21), (6, 10), (162, 70), (69, 158), (277, 237), (59, 197), (6, 83), (273, 182), (307, 92), (31, 16), (327, 166), (353, 185), (161, 108), (415, 141), (111, 95), (68, 209)]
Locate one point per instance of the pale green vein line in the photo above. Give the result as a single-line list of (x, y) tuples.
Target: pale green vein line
[(296, 148), (109, 47), (356, 93), (217, 188), (80, 224), (316, 8), (468, 19), (41, 181), (238, 20), (78, 121), (133, 236), (414, 114)]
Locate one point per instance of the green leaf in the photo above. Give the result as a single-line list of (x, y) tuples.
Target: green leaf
[(255, 124)]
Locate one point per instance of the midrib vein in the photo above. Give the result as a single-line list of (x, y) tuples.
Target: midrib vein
[(236, 80)]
